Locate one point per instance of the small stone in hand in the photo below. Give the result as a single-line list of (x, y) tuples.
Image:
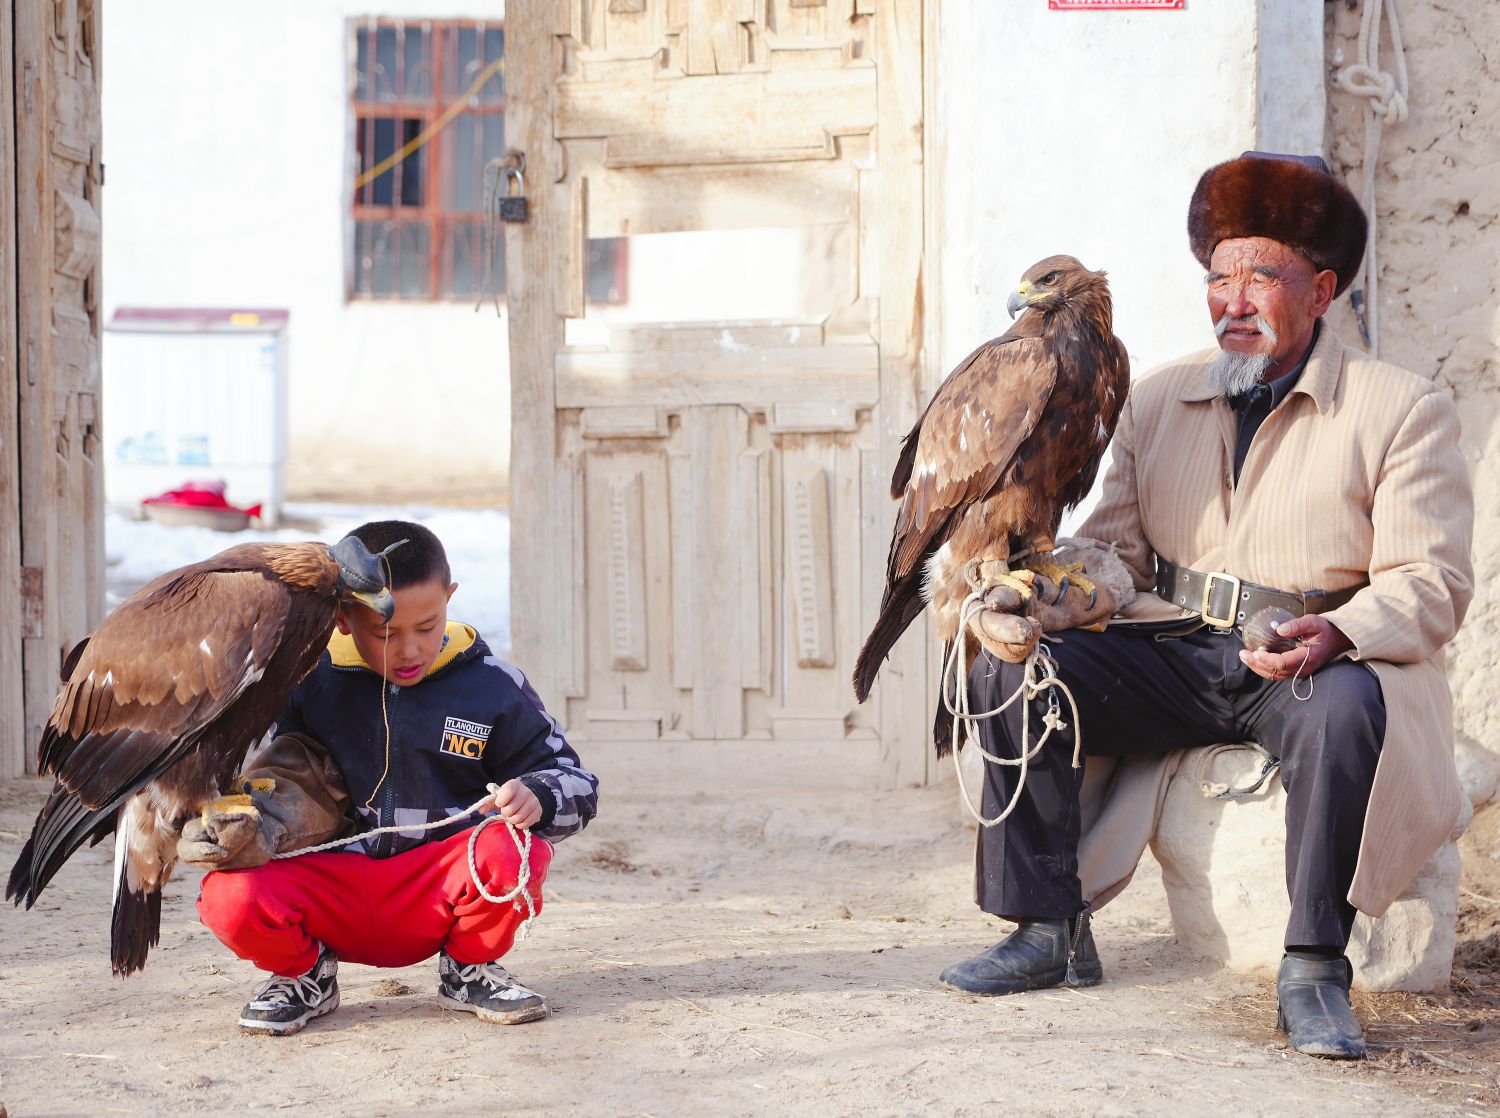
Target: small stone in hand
[(1260, 630)]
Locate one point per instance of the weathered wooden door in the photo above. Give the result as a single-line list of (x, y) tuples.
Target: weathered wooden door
[(51, 543), (699, 498)]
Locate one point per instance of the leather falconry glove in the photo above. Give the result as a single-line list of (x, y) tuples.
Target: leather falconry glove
[(289, 797), (234, 832), (1082, 588)]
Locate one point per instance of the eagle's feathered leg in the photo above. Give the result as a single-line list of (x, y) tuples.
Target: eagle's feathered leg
[(978, 558)]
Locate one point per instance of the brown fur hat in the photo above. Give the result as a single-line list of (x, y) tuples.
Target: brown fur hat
[(1293, 199)]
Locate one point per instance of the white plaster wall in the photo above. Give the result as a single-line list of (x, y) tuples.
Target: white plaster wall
[(1085, 133), (228, 169), (1290, 93)]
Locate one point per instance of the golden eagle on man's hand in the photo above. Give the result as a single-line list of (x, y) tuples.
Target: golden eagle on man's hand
[(1012, 438), (159, 705)]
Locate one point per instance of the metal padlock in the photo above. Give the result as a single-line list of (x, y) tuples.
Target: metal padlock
[(513, 205)]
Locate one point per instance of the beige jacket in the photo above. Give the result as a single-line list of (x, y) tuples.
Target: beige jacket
[(1356, 476)]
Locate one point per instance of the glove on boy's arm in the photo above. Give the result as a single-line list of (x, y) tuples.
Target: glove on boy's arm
[(290, 796)]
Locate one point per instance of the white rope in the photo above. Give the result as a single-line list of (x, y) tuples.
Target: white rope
[(1039, 675), (522, 839), (1386, 103)]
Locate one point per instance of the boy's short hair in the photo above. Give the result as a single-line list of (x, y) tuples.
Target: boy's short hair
[(420, 559)]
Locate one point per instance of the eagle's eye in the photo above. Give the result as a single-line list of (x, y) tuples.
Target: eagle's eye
[(1049, 279)]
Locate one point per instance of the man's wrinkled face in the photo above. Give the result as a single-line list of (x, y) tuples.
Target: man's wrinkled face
[(1264, 299), (403, 650)]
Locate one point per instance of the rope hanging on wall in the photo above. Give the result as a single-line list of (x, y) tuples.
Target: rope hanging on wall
[(1386, 103)]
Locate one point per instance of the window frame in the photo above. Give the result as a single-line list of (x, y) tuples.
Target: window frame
[(436, 167)]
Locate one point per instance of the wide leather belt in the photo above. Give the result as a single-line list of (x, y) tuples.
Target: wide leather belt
[(1226, 602)]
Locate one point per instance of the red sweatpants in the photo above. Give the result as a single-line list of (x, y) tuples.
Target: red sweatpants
[(384, 912)]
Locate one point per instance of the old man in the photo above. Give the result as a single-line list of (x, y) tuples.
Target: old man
[(1280, 468)]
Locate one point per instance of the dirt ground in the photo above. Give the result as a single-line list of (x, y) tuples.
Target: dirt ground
[(726, 952)]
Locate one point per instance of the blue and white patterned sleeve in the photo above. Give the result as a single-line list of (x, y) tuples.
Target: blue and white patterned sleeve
[(568, 792)]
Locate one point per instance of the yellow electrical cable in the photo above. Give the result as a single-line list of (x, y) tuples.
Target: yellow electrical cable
[(497, 66)]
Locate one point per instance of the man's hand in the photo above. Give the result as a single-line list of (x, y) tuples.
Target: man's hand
[(518, 805), (1322, 641)]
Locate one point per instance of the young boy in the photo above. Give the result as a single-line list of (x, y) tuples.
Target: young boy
[(459, 719)]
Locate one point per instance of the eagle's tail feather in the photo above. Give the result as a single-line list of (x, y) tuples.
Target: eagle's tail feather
[(900, 608), (135, 927)]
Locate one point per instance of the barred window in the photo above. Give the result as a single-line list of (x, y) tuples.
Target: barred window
[(429, 115)]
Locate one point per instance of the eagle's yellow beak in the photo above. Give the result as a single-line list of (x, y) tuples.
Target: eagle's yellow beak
[(382, 602), (1019, 299)]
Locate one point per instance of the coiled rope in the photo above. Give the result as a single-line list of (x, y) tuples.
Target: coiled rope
[(1040, 676), (1386, 103)]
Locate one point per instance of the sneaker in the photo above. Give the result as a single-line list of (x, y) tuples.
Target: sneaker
[(488, 990), (283, 1006)]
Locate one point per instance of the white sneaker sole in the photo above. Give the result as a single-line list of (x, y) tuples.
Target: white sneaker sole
[(519, 1016), (287, 1028)]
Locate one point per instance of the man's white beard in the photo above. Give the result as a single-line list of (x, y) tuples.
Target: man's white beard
[(1234, 374)]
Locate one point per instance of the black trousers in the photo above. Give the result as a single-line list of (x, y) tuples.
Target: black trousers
[(1138, 694)]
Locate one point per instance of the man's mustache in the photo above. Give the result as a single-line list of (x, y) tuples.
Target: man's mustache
[(1226, 321)]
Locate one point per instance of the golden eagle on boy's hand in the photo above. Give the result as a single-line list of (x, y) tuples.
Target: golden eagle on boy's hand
[(1012, 438), (159, 705)]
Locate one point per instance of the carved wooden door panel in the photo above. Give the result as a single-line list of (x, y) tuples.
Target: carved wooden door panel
[(699, 472), (59, 488)]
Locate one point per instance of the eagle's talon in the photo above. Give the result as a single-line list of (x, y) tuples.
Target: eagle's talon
[(1073, 574), (1020, 582), (237, 803)]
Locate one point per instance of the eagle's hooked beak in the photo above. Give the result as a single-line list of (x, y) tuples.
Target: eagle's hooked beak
[(1019, 299), (382, 602)]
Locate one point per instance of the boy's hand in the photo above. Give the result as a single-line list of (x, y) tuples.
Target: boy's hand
[(518, 805)]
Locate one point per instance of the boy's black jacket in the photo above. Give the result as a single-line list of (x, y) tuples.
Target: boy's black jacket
[(472, 720)]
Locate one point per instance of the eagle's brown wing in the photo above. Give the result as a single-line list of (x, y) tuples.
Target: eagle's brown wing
[(965, 443), (139, 693), (1110, 389), (159, 670)]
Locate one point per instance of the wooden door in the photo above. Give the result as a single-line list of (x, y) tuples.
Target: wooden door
[(54, 565), (700, 504)]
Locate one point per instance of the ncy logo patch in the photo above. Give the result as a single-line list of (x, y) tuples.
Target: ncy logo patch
[(465, 738)]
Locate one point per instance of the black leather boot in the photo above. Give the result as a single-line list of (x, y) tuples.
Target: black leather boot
[(1038, 954), (1312, 1007)]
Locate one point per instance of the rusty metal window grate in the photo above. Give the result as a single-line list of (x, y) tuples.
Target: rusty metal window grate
[(419, 224)]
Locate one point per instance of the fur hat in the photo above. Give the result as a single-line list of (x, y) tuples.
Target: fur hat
[(1293, 199)]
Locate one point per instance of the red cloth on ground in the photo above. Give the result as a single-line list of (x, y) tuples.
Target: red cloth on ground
[(384, 912)]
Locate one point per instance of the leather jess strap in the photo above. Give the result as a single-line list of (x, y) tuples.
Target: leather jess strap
[(1226, 602)]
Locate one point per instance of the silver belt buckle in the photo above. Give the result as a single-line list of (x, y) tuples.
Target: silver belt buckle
[(1226, 622)]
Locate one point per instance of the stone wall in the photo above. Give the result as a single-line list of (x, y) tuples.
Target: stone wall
[(1438, 245)]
